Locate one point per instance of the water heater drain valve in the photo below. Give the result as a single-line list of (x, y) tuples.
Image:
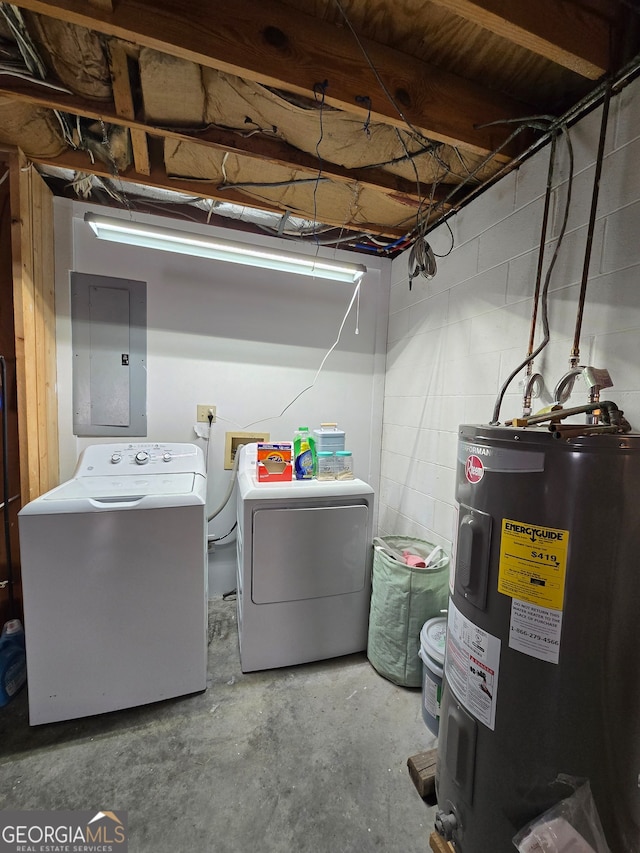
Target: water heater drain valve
[(446, 825)]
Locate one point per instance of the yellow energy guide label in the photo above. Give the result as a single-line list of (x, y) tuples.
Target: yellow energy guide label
[(533, 563)]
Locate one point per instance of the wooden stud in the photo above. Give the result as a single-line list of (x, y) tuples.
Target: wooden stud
[(34, 319)]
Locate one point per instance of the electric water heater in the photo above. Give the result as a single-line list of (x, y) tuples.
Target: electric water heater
[(542, 667)]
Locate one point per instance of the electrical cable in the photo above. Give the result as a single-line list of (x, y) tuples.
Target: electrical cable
[(269, 184), (381, 83), (230, 486), (356, 293), (536, 292), (220, 538), (575, 351), (421, 260), (206, 452), (545, 290), (453, 242), (623, 77), (319, 87), (8, 72)]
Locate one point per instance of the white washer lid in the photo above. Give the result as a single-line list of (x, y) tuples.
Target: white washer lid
[(125, 486)]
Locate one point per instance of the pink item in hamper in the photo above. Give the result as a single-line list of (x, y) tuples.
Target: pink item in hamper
[(414, 560)]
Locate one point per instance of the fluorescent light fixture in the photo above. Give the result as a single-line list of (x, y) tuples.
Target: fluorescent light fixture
[(171, 240)]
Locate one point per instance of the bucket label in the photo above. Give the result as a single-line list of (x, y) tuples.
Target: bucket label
[(471, 665), (533, 563), (432, 697), (535, 631)]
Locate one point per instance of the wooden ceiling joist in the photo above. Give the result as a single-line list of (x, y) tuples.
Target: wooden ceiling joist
[(547, 27), (79, 161), (255, 147), (262, 41)]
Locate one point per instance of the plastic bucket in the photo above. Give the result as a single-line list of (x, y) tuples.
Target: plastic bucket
[(432, 644)]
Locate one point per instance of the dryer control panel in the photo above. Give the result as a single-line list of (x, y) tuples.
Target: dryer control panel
[(130, 458)]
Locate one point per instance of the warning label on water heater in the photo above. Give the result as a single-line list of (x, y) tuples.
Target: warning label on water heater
[(471, 664), (533, 563)]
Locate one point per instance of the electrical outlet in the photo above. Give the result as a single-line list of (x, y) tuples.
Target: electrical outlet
[(203, 414)]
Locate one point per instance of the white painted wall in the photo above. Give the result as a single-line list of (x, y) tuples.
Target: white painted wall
[(453, 340), (246, 340)]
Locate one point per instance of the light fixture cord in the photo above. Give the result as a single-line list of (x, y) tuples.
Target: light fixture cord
[(355, 296)]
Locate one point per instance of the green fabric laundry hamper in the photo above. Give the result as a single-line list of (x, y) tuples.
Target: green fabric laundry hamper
[(403, 598)]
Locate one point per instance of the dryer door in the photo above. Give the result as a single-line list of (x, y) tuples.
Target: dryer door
[(309, 552)]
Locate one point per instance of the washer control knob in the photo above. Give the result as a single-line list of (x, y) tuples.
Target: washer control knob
[(167, 457), (116, 457), (142, 457)]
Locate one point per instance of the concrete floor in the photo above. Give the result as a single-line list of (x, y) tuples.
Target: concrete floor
[(308, 759)]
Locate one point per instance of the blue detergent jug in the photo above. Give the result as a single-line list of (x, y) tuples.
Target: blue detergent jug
[(13, 661)]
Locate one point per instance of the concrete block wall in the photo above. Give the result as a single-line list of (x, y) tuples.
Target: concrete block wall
[(454, 339)]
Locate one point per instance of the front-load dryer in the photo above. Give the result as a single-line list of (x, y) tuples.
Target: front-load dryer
[(304, 568), (114, 582)]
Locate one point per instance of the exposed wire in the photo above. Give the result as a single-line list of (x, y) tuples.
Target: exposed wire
[(319, 88), (545, 289), (8, 72), (407, 156), (365, 100), (16, 24), (413, 164), (453, 242), (292, 182), (461, 159), (220, 538), (283, 223), (381, 83), (540, 264), (421, 260), (524, 124), (355, 295)]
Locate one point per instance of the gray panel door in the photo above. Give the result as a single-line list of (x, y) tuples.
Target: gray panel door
[(109, 357), (109, 337)]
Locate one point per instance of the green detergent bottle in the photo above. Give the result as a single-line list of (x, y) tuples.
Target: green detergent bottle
[(304, 453)]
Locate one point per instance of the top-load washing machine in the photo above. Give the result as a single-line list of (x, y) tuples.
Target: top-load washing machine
[(115, 582), (304, 568)]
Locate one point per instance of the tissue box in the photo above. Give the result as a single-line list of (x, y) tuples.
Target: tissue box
[(274, 462)]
